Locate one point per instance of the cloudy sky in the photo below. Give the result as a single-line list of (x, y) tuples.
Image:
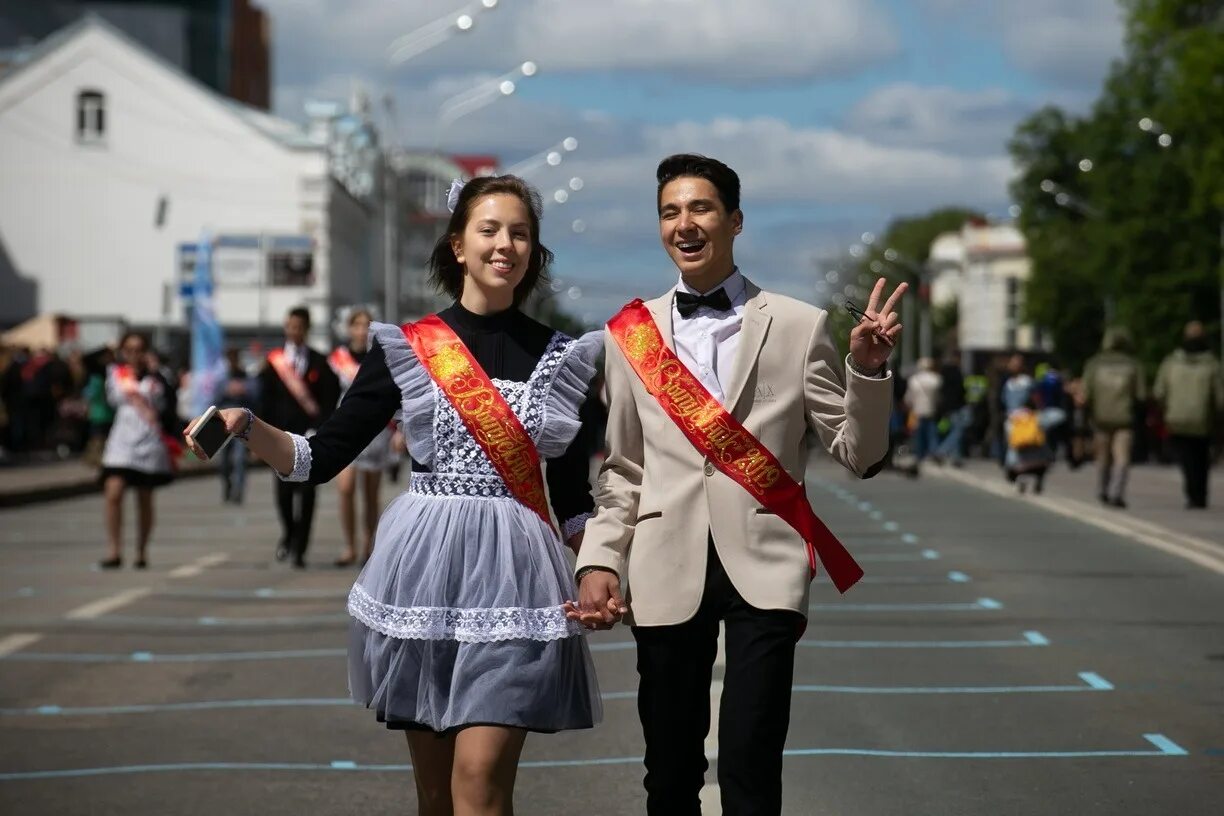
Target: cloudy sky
[(839, 115)]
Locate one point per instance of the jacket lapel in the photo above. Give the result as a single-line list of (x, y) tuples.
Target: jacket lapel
[(661, 309), (752, 337)]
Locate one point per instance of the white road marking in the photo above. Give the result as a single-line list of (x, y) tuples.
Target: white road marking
[(17, 642), (199, 565), (98, 608)]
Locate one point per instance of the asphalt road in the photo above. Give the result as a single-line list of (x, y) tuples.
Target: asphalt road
[(998, 659)]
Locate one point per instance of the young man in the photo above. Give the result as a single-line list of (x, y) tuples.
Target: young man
[(297, 391), (712, 389)]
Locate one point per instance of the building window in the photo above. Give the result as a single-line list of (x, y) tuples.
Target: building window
[(91, 117)]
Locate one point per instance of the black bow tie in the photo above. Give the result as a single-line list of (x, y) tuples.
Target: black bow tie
[(717, 300)]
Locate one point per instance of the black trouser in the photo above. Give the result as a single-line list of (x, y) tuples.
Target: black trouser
[(295, 527), (675, 664), (1194, 454)]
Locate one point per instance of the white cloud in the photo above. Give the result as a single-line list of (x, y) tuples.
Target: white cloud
[(1060, 40), (780, 162), (716, 40), (974, 122), (713, 40), (1069, 42)]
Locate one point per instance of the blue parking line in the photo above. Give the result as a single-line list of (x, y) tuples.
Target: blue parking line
[(978, 605), (152, 657), (1091, 682), (925, 555), (1165, 747), (1029, 639)]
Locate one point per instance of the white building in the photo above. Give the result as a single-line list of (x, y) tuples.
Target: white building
[(113, 163), (983, 268)]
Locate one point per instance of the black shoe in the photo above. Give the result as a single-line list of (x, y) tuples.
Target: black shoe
[(141, 563), (111, 563), (1104, 497), (1118, 502), (282, 550), (299, 562)]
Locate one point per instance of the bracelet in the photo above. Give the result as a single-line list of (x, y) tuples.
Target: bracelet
[(246, 432), (860, 371), (588, 570)]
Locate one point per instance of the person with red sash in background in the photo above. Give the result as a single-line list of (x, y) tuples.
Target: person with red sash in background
[(701, 512), (370, 463), (140, 451), (297, 392), (460, 635)]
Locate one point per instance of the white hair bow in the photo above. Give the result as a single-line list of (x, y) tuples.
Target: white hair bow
[(452, 195)]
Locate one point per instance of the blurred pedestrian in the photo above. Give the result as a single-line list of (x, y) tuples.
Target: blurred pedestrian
[(460, 636), (140, 451), (99, 413), (297, 392), (922, 397), (1191, 392), (368, 467), (236, 390), (1113, 386), (1028, 454), (955, 409)]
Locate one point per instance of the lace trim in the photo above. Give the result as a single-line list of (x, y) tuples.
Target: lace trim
[(449, 484), (574, 526), (301, 460), (487, 625)]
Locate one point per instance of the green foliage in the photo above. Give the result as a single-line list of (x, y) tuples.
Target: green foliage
[(1141, 232)]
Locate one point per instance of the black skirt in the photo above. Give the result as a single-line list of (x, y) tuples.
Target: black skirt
[(137, 478)]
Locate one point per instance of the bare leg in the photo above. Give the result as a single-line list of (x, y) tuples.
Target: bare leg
[(346, 483), (113, 491), (144, 501), (372, 481), (486, 763), (432, 759)]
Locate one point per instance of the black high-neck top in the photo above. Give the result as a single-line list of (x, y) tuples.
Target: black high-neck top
[(508, 345)]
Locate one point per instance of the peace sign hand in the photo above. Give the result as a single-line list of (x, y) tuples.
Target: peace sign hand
[(872, 340)]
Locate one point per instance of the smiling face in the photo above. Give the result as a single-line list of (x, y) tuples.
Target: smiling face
[(696, 229), (495, 247)]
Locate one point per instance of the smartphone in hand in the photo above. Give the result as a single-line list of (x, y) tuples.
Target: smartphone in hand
[(209, 433)]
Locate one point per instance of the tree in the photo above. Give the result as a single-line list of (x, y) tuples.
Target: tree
[(1137, 236)]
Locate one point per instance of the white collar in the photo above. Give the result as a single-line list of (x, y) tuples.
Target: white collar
[(734, 285)]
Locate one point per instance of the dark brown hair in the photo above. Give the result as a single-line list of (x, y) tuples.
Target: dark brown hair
[(361, 311), (445, 271), (724, 179)]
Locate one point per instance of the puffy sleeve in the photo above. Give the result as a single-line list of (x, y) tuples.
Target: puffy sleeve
[(416, 390), (566, 393)]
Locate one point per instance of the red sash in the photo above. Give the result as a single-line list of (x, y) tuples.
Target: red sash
[(293, 383), (724, 442), (484, 411), (125, 378), (343, 363)]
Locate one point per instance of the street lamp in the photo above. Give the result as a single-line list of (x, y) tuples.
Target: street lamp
[(422, 39), (552, 155), (461, 104)]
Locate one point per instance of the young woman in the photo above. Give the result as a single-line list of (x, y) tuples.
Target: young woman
[(139, 452), (371, 462), (460, 635)]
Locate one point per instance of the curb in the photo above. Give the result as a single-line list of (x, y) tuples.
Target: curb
[(1199, 551), (83, 486)]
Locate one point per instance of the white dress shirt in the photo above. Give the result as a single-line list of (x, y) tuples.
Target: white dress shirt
[(297, 357), (707, 340)]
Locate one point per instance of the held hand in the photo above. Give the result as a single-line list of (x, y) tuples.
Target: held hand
[(235, 420), (872, 340), (600, 604)]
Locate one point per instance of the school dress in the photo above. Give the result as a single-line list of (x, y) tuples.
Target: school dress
[(135, 449), (457, 617), (377, 456)]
